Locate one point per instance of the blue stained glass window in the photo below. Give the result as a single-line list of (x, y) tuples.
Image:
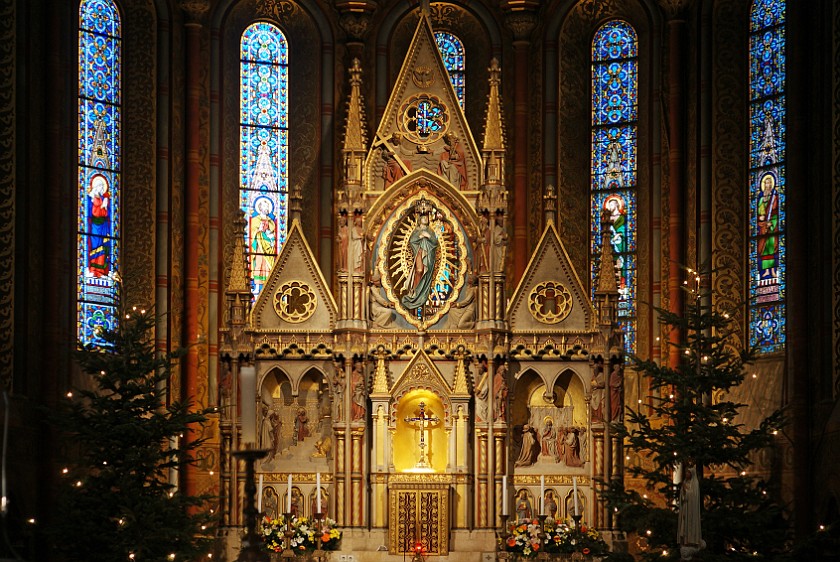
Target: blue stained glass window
[(767, 176), (263, 146), (452, 51), (614, 165), (99, 172)]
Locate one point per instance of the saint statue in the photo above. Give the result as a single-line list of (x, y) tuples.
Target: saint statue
[(452, 162), (689, 534), (530, 449), (596, 400), (524, 511), (424, 245)]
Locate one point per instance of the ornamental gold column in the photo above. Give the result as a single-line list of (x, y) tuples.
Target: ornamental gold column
[(380, 399)]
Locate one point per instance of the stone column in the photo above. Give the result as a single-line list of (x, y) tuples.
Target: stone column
[(194, 12), (675, 11), (521, 19)]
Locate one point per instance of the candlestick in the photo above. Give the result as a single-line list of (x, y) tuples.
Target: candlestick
[(289, 496), (504, 494), (574, 485), (542, 494), (318, 491), (259, 494), (247, 400)]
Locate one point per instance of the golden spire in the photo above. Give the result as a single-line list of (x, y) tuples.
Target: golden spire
[(238, 271), (355, 131), (494, 135)]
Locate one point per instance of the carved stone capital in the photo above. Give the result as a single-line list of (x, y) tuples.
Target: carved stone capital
[(521, 23), (194, 10), (676, 9), (355, 16), (355, 24)]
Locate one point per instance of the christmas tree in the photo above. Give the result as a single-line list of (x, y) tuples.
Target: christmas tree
[(690, 428), (118, 499)]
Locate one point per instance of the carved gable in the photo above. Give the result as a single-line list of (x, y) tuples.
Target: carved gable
[(295, 297), (423, 126), (421, 373), (550, 295)]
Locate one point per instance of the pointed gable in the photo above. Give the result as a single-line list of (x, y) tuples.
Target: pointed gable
[(421, 373), (296, 296), (423, 126), (550, 295)]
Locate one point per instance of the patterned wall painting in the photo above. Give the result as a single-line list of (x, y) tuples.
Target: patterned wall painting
[(264, 146), (454, 58), (614, 161), (767, 176), (99, 172)]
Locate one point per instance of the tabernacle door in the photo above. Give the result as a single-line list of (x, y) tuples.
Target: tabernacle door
[(419, 512)]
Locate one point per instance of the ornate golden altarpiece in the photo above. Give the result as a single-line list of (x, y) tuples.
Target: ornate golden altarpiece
[(429, 402)]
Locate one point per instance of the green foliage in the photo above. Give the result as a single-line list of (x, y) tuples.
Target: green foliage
[(683, 424), (115, 497)]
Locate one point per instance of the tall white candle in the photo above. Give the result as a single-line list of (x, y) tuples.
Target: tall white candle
[(318, 492), (289, 496), (574, 486), (542, 494), (259, 494), (504, 495), (248, 401)]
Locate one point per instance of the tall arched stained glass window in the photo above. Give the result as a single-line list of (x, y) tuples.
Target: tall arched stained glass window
[(452, 51), (263, 146), (613, 188), (99, 172), (767, 176)]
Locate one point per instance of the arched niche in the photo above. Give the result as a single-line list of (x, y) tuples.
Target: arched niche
[(294, 418), (407, 435), (549, 428)]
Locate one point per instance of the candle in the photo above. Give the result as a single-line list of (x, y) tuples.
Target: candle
[(504, 495), (289, 496), (248, 402), (259, 494), (318, 492), (574, 485), (542, 494)]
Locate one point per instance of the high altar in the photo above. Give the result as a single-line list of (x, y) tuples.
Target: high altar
[(430, 395)]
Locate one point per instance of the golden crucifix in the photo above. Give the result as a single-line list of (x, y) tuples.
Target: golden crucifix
[(422, 421)]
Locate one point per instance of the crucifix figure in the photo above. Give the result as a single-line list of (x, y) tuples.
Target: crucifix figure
[(422, 422)]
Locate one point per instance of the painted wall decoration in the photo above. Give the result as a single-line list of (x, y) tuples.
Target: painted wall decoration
[(614, 161), (767, 176), (264, 146), (99, 172)]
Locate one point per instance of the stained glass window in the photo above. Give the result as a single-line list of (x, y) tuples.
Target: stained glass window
[(452, 51), (99, 172), (767, 176), (614, 167), (263, 146)]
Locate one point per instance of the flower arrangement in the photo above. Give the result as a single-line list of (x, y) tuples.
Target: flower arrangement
[(527, 539), (562, 538), (306, 534), (524, 539)]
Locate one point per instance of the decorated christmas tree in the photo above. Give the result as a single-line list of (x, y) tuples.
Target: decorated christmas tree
[(697, 454), (118, 499)]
